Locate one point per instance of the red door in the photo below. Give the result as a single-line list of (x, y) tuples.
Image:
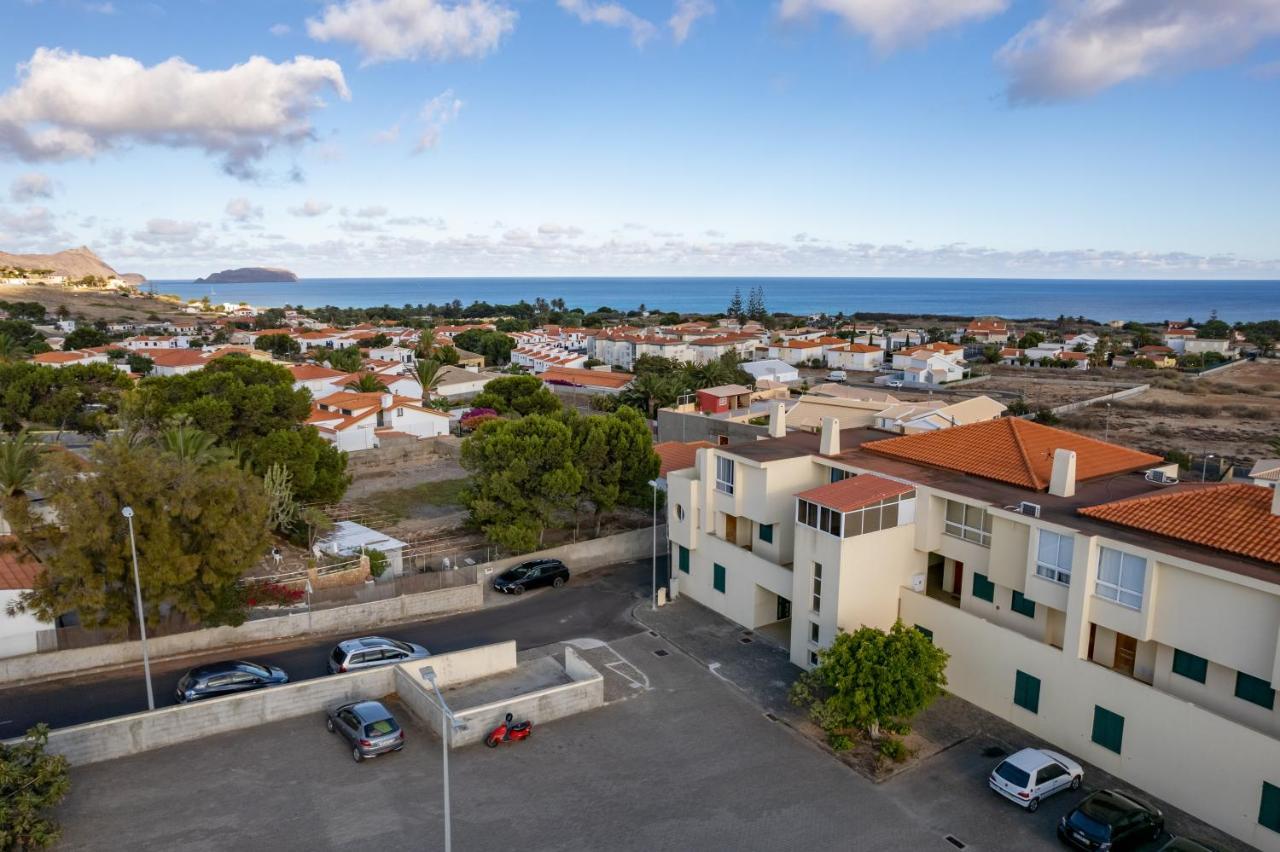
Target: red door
[(957, 579)]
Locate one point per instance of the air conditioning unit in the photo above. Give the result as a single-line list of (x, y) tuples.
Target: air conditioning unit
[(1032, 509), (1160, 477)]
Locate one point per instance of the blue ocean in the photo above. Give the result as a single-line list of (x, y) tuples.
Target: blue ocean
[(1100, 300)]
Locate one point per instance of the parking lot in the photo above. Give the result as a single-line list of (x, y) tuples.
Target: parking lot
[(684, 763)]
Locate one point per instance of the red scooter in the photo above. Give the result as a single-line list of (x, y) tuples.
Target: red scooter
[(508, 732)]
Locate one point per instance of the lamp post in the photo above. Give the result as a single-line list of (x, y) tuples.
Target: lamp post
[(1204, 466), (1106, 434), (653, 601), (127, 511), (447, 722)]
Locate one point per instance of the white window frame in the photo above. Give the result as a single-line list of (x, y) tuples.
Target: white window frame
[(724, 464), (815, 599), (963, 529), (1057, 571), (1117, 590)]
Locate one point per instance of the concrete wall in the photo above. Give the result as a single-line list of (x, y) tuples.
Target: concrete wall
[(347, 618), (452, 668), (1110, 397), (1170, 746), (676, 426), (585, 555)]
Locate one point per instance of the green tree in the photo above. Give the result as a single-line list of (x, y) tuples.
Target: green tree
[(82, 397), (651, 391), (1030, 340), (522, 395), (709, 375), (32, 783), (198, 530), (524, 473), (428, 373), (10, 349), (615, 457), (735, 304), (755, 304), (493, 345), (870, 678), (24, 335), (1214, 329), (192, 446), (140, 364), (19, 462), (85, 337), (992, 353), (346, 359), (365, 383), (280, 346)]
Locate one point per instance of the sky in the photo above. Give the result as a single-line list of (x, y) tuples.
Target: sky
[(1021, 138)]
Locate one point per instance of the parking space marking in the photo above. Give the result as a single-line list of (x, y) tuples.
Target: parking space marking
[(635, 684)]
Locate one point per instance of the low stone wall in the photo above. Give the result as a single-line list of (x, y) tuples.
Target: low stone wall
[(585, 555), (408, 453), (346, 618), (1136, 390)]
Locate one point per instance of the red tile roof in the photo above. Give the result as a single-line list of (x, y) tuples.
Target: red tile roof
[(308, 372), (18, 568), (1233, 518), (677, 455), (586, 378), (1012, 450), (855, 492)]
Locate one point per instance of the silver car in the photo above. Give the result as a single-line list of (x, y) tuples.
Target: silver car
[(369, 651), (368, 726)]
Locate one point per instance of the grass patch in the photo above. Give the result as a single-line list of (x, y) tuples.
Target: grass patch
[(400, 502)]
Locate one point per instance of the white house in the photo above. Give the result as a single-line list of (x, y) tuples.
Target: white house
[(402, 354), (318, 379), (58, 358), (458, 383), (357, 421), (18, 572), (855, 356), (771, 368), (347, 538), (143, 342)]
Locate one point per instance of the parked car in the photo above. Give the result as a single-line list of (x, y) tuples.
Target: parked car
[(370, 651), (368, 727), (1108, 820), (1034, 774), (1186, 844), (837, 376), (226, 678), (530, 575), (895, 383)]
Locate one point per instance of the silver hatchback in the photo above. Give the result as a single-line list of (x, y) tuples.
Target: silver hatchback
[(370, 651), (368, 727)]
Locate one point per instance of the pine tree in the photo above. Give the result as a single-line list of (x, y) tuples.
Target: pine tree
[(755, 303), (735, 304)]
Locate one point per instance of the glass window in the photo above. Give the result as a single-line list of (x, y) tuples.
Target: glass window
[(983, 588), (684, 558), (1022, 606), (724, 474), (813, 658), (817, 587), (889, 515), (1190, 666), (717, 578), (1053, 557), (1255, 690), (766, 533), (971, 523), (1108, 729), (1026, 691), (837, 474), (1269, 811), (1121, 577), (813, 633)]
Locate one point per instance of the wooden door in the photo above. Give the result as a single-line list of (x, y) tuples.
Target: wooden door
[(731, 529), (957, 579), (1126, 653)]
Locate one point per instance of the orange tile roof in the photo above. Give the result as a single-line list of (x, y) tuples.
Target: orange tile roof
[(1012, 450), (937, 347), (854, 492), (308, 372), (177, 357), (18, 568), (587, 378), (677, 455), (1233, 518), (860, 347), (987, 325), (59, 357)]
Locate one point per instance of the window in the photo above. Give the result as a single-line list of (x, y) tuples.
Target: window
[(813, 633), (817, 587), (880, 515), (1022, 606), (926, 632), (1190, 666), (1026, 691), (837, 474), (971, 523), (983, 588), (724, 474), (684, 558), (400, 412), (717, 578), (829, 521), (1053, 557), (766, 533), (1121, 577), (1108, 729), (807, 513), (813, 658), (1255, 690), (1269, 811)]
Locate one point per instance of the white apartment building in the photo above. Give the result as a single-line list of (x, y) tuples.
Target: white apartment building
[(855, 356), (1134, 625)]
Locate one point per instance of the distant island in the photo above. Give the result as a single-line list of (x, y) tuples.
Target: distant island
[(249, 275)]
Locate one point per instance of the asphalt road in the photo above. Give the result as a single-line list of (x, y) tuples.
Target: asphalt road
[(595, 604)]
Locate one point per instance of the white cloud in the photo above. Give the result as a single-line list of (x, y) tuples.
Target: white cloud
[(101, 8), (34, 221), (386, 30), (168, 232), (357, 226), (243, 210), (1081, 48), (376, 211), (611, 15), (686, 12), (31, 186), (892, 23), (280, 29), (553, 231), (67, 106), (311, 208), (436, 113), (419, 221), (386, 137)]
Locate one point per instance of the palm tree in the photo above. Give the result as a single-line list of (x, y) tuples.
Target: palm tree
[(193, 445), (19, 461), (9, 348), (711, 374), (428, 376), (651, 391), (366, 383)]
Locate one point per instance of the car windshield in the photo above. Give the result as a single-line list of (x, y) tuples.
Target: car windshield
[(1082, 821), (408, 649), (381, 728), (255, 669), (339, 656), (1015, 776)]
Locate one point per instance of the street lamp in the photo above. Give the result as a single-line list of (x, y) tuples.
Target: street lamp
[(447, 721), (653, 601), (1204, 466), (127, 511)]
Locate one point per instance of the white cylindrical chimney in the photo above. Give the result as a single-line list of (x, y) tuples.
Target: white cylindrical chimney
[(777, 419), (830, 437)]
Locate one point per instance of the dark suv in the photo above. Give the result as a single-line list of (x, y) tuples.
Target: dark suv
[(530, 575), (226, 678), (1112, 821)]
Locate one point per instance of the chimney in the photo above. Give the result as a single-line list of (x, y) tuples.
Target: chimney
[(387, 400), (1275, 499), (777, 419), (830, 437), (1062, 482)]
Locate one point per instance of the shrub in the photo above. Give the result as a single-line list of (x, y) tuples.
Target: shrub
[(377, 562), (839, 742), (272, 594), (895, 750)]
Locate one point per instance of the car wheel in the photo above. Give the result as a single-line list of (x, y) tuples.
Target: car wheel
[(558, 582), (1075, 783), (356, 755), (328, 723), (517, 590), (1033, 805)]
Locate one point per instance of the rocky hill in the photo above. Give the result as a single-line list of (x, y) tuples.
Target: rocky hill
[(249, 275), (73, 263)]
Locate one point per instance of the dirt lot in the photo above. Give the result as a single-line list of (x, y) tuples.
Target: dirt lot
[(104, 305)]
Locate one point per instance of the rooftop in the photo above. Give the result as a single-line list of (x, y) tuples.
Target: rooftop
[(586, 378), (678, 455), (18, 568), (726, 390), (855, 492)]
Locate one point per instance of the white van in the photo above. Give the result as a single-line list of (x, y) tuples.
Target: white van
[(837, 376)]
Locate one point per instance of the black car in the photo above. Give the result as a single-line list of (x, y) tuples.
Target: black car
[(368, 726), (226, 678), (1108, 820), (530, 575)]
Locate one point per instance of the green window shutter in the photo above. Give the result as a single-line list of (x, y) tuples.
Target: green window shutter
[(983, 588), (1269, 812), (1108, 729), (928, 634), (766, 533), (1026, 691), (1190, 666), (717, 578), (684, 558), (1256, 690), (1023, 606)]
